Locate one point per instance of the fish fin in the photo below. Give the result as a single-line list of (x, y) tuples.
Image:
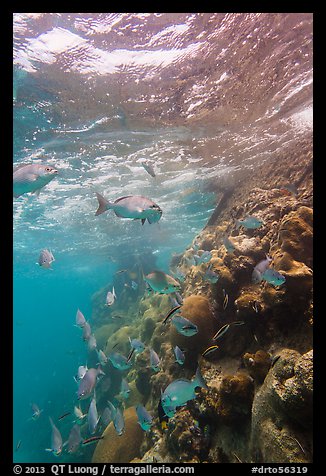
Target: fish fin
[(143, 221), (37, 192), (65, 444), (103, 204), (48, 449), (199, 379), (237, 224)]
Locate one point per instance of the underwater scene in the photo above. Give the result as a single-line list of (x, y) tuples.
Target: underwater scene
[(163, 231)]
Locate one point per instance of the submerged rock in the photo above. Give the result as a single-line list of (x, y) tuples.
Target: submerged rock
[(120, 449), (282, 411)]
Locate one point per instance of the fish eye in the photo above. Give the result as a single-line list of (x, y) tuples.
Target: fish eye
[(48, 169)]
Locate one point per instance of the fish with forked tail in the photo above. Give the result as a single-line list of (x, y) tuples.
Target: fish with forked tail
[(131, 206)]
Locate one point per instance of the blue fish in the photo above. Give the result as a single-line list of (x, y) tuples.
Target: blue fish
[(273, 277), (134, 285), (210, 275), (144, 418), (124, 389), (179, 392), (136, 347), (184, 326), (205, 257), (179, 355), (119, 361), (228, 245), (117, 418), (249, 222)]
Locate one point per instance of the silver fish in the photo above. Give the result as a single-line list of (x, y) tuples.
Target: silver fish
[(102, 357), (82, 369), (179, 355), (74, 439), (91, 342), (110, 297), (87, 332), (92, 416), (259, 269), (36, 411), (56, 440), (45, 259), (31, 178), (117, 418), (131, 206), (80, 319), (155, 361), (148, 167), (79, 415), (88, 382)]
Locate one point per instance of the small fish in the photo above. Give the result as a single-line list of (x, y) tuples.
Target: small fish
[(179, 392), (255, 307), (210, 275), (205, 257), (179, 355), (119, 361), (79, 415), (209, 350), (116, 317), (225, 328), (106, 416), (134, 285), (121, 271), (80, 319), (36, 411), (228, 245), (88, 382), (92, 439), (18, 445), (273, 277), (74, 439), (155, 361), (259, 269), (30, 178), (87, 331), (82, 369), (144, 418), (124, 389), (92, 416), (274, 360), (161, 282), (132, 206), (45, 259), (148, 167), (56, 440), (137, 345), (250, 222), (91, 343), (170, 313), (226, 299), (117, 418), (184, 326), (110, 297), (103, 360), (64, 416)]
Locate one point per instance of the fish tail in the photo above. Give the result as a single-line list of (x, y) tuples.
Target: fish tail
[(103, 204), (199, 380)]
